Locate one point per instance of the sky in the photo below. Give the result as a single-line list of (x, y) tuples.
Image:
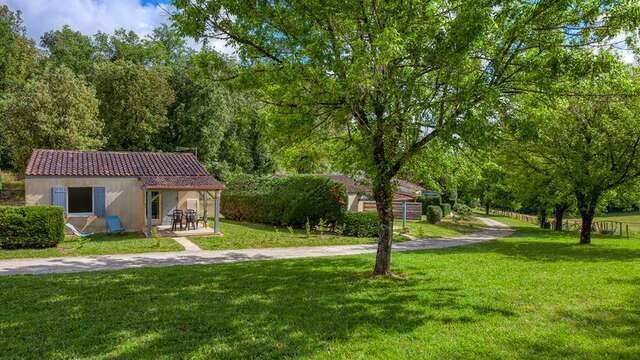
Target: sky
[(91, 16)]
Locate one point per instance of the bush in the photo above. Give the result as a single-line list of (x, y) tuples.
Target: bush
[(446, 209), (462, 211), (31, 227), (434, 214), (288, 201), (360, 224), (428, 200)]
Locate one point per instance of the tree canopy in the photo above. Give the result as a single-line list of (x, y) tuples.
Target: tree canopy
[(392, 76)]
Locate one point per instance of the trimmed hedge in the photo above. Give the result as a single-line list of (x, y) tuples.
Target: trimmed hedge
[(434, 214), (446, 209), (428, 201), (287, 201), (462, 211), (360, 224), (31, 227)]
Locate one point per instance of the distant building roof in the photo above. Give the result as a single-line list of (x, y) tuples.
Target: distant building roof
[(157, 169), (405, 190)]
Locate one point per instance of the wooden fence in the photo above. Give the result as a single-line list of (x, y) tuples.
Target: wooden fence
[(600, 226), (414, 209), (512, 214)]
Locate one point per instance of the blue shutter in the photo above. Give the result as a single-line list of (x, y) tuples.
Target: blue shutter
[(99, 201), (59, 198)]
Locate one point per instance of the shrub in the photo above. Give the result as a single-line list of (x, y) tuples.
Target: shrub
[(360, 224), (434, 214), (286, 201), (462, 211), (428, 200), (31, 227), (446, 209)]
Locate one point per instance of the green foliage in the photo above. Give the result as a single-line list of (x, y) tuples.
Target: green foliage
[(461, 212), (133, 103), (428, 200), (446, 209), (31, 227), (286, 201), (360, 224), (54, 110), (434, 214), (70, 48), (322, 227), (17, 52)]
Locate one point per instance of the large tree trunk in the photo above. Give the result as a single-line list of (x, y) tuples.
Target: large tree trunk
[(558, 215), (585, 231), (383, 194), (587, 207), (486, 208)]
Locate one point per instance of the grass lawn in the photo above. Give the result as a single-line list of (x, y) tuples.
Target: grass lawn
[(633, 219), (534, 295), (243, 235), (99, 244), (446, 228)]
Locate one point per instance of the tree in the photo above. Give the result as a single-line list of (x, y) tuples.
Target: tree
[(588, 137), (17, 52), (70, 48), (393, 75), (54, 110), (133, 103), (17, 61)]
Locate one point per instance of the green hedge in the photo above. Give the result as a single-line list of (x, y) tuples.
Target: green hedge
[(31, 227), (446, 209), (428, 201), (287, 201), (360, 224), (434, 214)]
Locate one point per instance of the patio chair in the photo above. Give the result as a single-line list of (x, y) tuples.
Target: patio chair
[(114, 225), (192, 219), (176, 218), (77, 232)]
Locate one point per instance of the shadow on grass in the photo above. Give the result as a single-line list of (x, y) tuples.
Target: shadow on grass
[(533, 244), (269, 310)]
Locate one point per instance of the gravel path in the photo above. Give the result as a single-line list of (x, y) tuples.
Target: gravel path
[(192, 256)]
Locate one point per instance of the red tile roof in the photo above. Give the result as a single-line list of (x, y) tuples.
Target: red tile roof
[(181, 182), (179, 169)]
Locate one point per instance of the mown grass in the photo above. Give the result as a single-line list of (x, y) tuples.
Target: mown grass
[(445, 228), (535, 295), (99, 244), (244, 235)]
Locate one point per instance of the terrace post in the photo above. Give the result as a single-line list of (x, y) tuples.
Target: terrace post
[(216, 213), (149, 213), (205, 200)]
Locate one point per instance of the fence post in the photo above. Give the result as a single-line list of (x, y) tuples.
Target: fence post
[(404, 215)]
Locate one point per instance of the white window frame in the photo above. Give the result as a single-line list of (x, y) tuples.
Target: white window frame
[(84, 214)]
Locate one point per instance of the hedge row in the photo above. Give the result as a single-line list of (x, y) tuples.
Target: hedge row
[(429, 200), (434, 214), (288, 201), (31, 227), (360, 224)]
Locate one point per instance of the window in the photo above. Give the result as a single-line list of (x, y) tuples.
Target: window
[(155, 205), (80, 200)]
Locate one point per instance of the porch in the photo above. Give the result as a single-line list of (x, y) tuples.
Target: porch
[(165, 195)]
